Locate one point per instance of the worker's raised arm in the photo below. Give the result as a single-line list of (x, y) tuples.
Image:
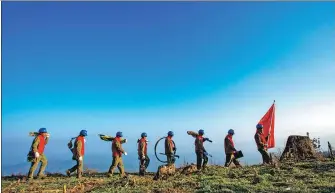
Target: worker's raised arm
[(46, 140), (123, 141)]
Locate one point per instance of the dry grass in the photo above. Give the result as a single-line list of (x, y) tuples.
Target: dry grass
[(291, 177)]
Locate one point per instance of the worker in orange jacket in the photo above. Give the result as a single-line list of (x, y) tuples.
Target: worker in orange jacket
[(78, 154), (117, 151), (230, 149), (36, 154), (202, 155), (143, 153), (261, 143), (170, 149)]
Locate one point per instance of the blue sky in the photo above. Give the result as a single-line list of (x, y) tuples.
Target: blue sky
[(159, 66)]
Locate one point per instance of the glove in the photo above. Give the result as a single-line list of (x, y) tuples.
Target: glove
[(125, 140), (37, 154), (206, 154), (125, 153), (48, 135), (81, 158), (143, 157), (174, 149)]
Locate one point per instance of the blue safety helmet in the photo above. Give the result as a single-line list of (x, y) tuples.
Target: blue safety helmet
[(259, 126), (144, 134), (83, 133), (201, 132), (231, 131), (119, 134), (170, 133), (42, 130)]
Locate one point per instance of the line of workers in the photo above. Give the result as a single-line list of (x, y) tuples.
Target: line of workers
[(36, 153)]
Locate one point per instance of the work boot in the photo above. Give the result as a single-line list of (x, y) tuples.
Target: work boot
[(68, 173), (124, 176)]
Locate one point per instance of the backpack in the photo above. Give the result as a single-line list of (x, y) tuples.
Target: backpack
[(71, 147)]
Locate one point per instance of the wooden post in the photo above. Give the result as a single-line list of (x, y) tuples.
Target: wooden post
[(64, 188)]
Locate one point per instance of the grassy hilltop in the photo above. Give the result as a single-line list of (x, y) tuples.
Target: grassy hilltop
[(285, 177)]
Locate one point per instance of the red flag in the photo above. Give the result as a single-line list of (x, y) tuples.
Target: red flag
[(268, 122)]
